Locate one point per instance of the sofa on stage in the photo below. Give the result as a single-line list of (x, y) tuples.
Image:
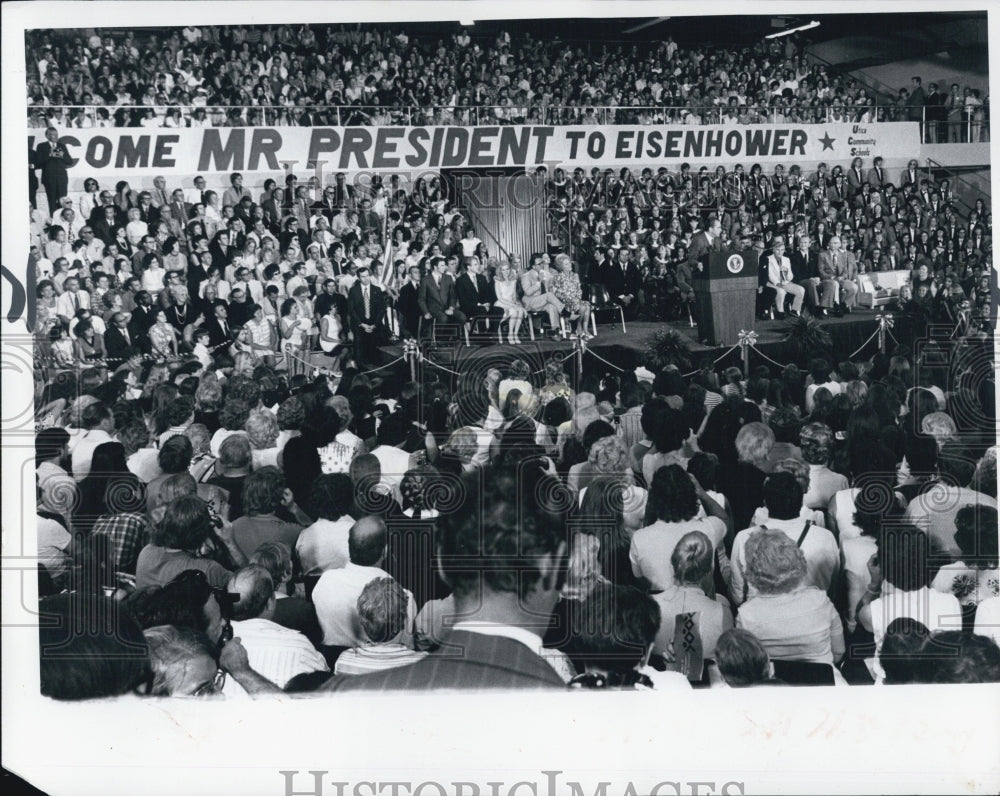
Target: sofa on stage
[(881, 287)]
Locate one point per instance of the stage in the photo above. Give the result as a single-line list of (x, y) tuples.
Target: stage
[(612, 349)]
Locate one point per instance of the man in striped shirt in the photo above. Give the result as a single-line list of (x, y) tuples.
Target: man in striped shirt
[(276, 652)]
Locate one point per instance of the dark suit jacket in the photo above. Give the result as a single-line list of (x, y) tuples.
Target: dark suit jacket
[(356, 306), (409, 307), (466, 661), (150, 215), (434, 298), (215, 334), (138, 326), (470, 299), (803, 268), (106, 232), (619, 282), (115, 344), (52, 167), (700, 246)]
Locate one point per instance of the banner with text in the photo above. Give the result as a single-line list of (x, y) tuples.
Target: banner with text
[(145, 152)]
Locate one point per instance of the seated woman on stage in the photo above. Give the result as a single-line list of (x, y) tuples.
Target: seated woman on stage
[(566, 287), (505, 285)]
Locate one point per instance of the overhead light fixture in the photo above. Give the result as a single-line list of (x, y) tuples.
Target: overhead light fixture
[(468, 23), (648, 24), (813, 24)]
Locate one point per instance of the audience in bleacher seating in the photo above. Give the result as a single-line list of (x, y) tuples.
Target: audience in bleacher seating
[(301, 75)]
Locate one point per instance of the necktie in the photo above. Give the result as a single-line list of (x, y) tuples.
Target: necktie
[(225, 329), (125, 335), (76, 301), (368, 304), (475, 287)]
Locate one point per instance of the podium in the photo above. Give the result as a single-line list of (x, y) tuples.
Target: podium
[(725, 293)]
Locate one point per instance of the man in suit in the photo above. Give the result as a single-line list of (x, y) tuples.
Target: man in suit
[(274, 210), (475, 294), (836, 269), (937, 114), (148, 214), (54, 160), (219, 330), (408, 305), (876, 174), (118, 338), (106, 226), (159, 193), (709, 239), (302, 209), (805, 272), (780, 279), (623, 281), (501, 556), (142, 318), (855, 176), (176, 214), (343, 194), (368, 219), (366, 313), (910, 175), (437, 299), (954, 105), (915, 102)]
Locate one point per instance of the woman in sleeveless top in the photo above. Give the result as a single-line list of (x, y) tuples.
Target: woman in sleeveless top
[(505, 286), (330, 331)]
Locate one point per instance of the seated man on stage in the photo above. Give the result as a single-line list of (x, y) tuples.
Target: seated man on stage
[(475, 293), (623, 281), (437, 298), (366, 311), (805, 270), (536, 297), (837, 270), (780, 279)]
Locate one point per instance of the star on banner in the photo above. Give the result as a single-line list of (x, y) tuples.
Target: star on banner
[(826, 141)]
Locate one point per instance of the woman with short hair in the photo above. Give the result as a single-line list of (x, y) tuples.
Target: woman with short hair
[(793, 622)]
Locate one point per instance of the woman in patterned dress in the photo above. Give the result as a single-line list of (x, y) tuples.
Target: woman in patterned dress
[(566, 287)]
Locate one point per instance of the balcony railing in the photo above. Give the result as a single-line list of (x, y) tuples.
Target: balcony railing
[(962, 127)]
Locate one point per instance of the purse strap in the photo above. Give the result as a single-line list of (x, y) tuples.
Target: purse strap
[(805, 531)]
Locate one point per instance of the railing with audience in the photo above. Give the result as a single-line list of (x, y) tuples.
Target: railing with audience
[(974, 128)]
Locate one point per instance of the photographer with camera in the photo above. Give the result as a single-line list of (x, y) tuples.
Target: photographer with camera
[(188, 535)]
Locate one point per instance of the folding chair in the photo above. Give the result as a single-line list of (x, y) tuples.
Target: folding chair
[(600, 301)]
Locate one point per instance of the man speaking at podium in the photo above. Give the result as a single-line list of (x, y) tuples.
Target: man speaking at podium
[(708, 240)]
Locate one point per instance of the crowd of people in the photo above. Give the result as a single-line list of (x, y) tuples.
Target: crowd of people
[(242, 531), (230, 478), (336, 75), (342, 269), (821, 237)]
